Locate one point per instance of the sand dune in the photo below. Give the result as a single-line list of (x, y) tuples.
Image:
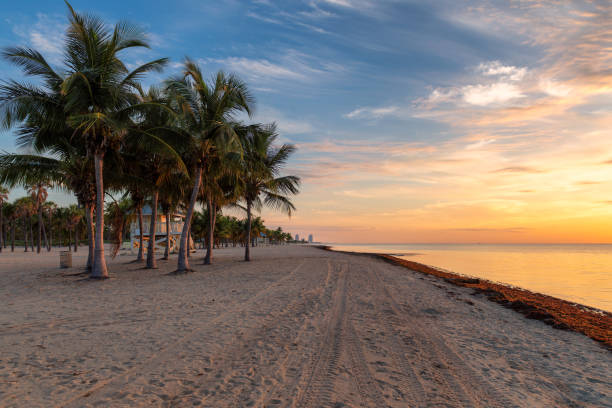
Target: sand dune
[(297, 327)]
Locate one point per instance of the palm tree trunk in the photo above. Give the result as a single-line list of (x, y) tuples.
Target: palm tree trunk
[(247, 251), (13, 235), (211, 231), (183, 263), (99, 268), (69, 239), (50, 243), (25, 234), (167, 251), (44, 231), (90, 235), (140, 257), (39, 238), (31, 233), (76, 237), (151, 261), (2, 231), (189, 242)]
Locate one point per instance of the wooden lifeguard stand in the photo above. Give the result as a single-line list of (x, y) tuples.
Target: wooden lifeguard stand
[(173, 238)]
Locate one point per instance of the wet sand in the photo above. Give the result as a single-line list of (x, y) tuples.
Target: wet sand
[(297, 327)]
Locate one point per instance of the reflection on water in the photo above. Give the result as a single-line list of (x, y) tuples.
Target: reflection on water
[(579, 273)]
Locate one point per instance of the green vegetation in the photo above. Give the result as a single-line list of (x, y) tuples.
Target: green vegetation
[(90, 128)]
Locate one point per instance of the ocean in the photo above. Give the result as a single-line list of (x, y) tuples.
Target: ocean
[(580, 273)]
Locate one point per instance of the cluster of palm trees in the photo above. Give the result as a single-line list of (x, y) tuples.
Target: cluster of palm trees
[(229, 230), (92, 129), (55, 225)]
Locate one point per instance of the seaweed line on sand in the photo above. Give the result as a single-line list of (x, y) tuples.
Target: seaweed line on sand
[(558, 313)]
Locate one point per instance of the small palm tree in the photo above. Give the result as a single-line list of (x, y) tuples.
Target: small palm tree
[(262, 165), (39, 195), (10, 211), (49, 208)]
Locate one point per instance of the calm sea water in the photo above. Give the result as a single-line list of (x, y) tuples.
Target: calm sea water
[(578, 273)]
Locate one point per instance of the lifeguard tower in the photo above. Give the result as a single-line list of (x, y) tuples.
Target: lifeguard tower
[(173, 238)]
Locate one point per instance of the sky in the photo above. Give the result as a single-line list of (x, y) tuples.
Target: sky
[(472, 121)]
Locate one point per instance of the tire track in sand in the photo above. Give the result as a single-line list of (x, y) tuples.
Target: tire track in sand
[(157, 359), (461, 386), (317, 389)]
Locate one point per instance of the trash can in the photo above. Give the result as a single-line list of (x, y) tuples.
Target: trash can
[(65, 259)]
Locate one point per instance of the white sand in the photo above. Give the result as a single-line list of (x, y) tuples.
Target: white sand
[(297, 326)]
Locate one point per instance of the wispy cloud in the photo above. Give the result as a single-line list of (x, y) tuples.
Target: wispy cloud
[(290, 66), (45, 35), (372, 112), (517, 169)]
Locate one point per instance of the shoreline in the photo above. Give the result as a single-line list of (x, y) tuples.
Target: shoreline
[(558, 313)]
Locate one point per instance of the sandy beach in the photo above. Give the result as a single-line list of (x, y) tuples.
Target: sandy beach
[(296, 327)]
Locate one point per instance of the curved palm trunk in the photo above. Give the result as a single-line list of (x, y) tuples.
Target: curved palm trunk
[(39, 238), (247, 250), (99, 268), (212, 215), (90, 235), (167, 251), (151, 261), (188, 251), (140, 257), (183, 263)]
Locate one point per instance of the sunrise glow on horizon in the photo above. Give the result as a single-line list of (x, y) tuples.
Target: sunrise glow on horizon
[(418, 123)]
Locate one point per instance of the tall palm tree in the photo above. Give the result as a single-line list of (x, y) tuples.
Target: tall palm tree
[(3, 197), (262, 165), (207, 116), (103, 94)]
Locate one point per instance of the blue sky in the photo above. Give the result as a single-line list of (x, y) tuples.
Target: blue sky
[(394, 105)]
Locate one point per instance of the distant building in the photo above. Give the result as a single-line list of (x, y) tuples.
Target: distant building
[(297, 237), (310, 239)]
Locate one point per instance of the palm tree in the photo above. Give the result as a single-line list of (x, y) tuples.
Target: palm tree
[(221, 187), (262, 165), (75, 215), (10, 211), (39, 195), (23, 208), (102, 93), (207, 110), (119, 214), (70, 169), (158, 160), (49, 208), (3, 197)]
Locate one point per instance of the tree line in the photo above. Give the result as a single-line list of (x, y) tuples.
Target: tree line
[(91, 128)]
